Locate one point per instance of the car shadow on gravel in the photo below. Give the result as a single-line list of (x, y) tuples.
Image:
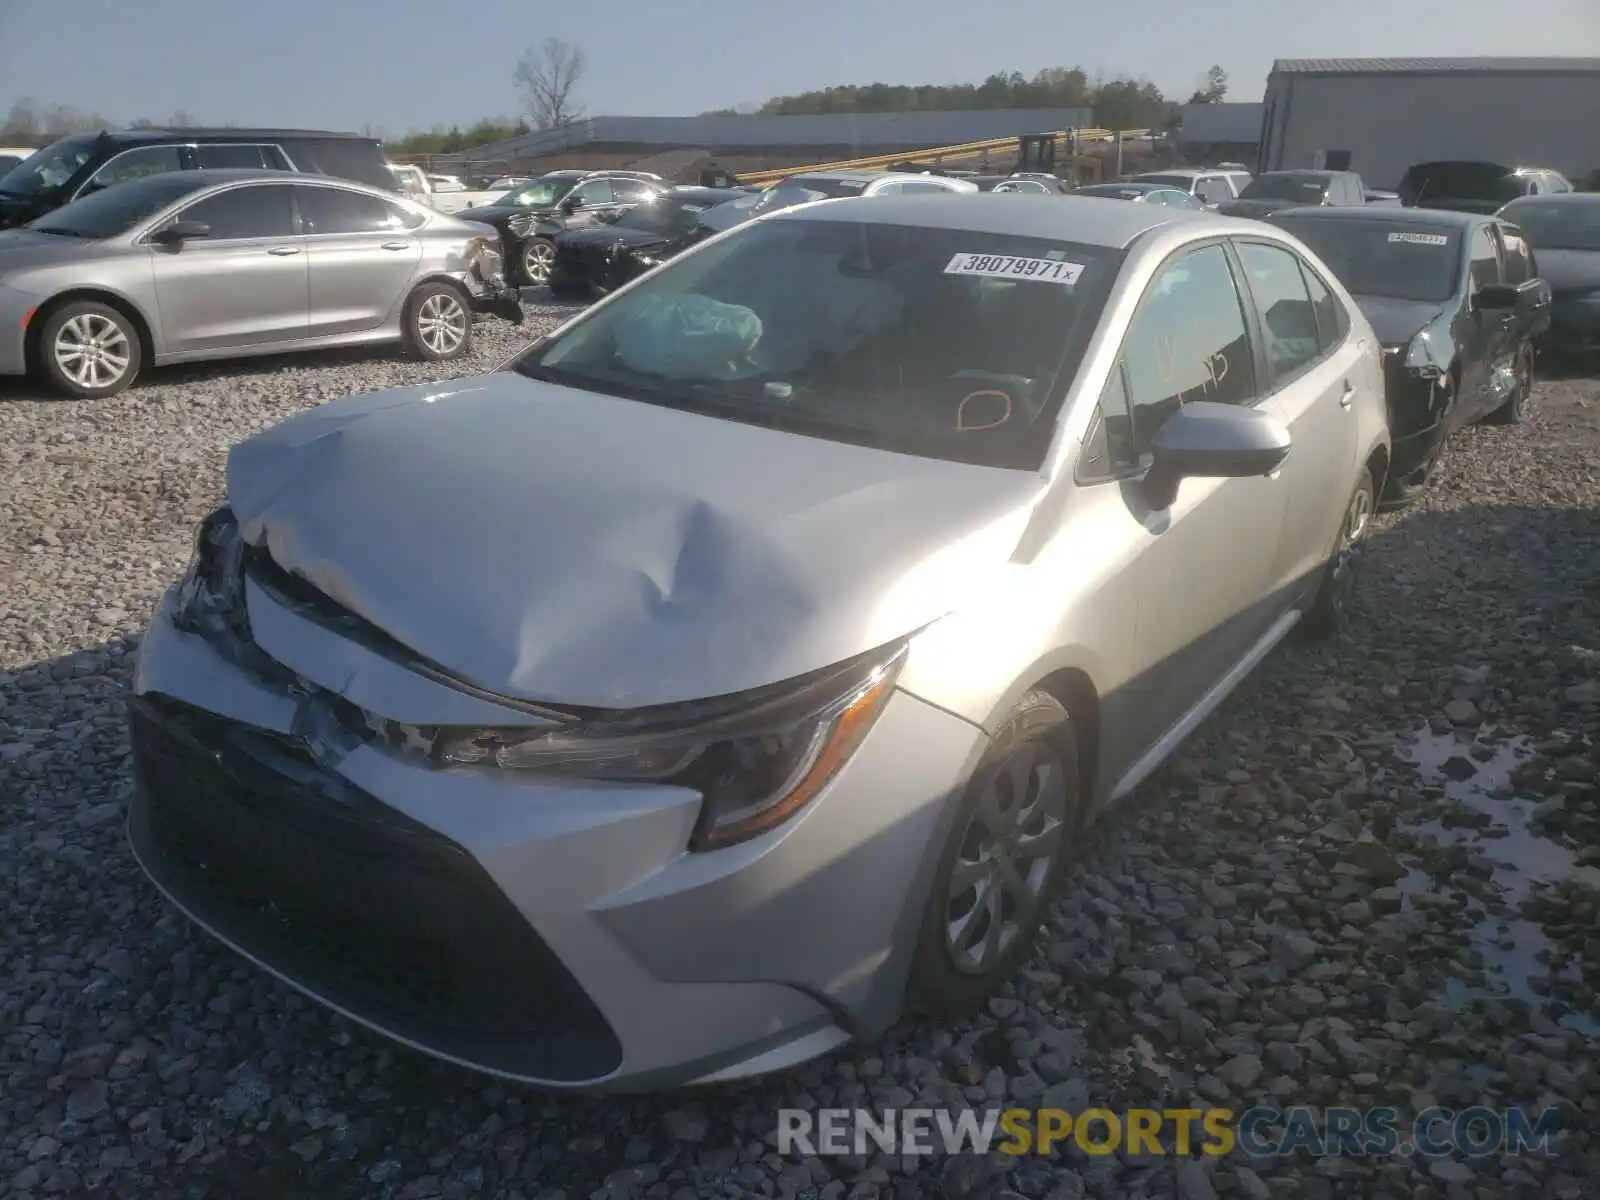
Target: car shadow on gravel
[(1212, 922)]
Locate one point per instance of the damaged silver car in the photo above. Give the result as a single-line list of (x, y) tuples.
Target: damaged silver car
[(742, 664)]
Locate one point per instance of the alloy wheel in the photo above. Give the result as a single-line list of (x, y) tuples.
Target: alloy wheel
[(442, 323), (1357, 519), (536, 259), (92, 351), (1008, 852)]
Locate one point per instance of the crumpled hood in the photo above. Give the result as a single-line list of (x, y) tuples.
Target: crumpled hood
[(1396, 322), (1569, 272), (551, 544)]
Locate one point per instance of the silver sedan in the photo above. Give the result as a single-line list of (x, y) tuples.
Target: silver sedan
[(741, 664), (213, 264)]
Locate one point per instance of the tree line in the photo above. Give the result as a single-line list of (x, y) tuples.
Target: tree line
[(547, 77)]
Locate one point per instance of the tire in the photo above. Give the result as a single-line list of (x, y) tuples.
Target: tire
[(1510, 413), (1329, 609), (951, 977), (533, 261), (108, 352), (437, 323)]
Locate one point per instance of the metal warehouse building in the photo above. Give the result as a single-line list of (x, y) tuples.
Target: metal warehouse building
[(1378, 116)]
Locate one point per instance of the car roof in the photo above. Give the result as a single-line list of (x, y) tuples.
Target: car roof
[(703, 193), (1137, 185), (1386, 212), (1091, 220), (846, 176), (227, 134), (1186, 172)]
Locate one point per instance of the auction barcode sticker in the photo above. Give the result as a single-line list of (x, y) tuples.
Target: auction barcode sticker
[(1009, 266), (1420, 239)]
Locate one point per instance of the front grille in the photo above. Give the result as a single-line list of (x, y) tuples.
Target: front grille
[(372, 911)]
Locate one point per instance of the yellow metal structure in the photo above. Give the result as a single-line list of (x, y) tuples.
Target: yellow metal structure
[(944, 155)]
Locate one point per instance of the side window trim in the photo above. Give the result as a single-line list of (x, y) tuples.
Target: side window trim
[(1118, 372), (185, 160)]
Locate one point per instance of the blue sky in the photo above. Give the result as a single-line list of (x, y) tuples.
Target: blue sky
[(398, 64)]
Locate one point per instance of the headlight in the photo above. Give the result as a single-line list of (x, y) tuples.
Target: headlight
[(522, 224), (756, 758), (1422, 357), (211, 594)]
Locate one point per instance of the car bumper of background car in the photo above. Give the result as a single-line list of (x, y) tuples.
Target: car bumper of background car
[(17, 309), (1417, 409), (558, 933)]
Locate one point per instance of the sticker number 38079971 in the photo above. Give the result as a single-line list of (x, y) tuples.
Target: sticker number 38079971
[(1009, 266)]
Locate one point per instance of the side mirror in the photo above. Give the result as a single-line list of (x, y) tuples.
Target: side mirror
[(1207, 440), (569, 205), (179, 232), (1497, 297)]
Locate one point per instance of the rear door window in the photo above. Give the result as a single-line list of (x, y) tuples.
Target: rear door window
[(228, 156), (1288, 316), (332, 210)]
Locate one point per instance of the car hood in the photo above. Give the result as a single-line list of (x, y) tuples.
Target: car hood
[(1254, 208), (1396, 322), (25, 248), (501, 212), (609, 236), (1568, 271), (555, 545)]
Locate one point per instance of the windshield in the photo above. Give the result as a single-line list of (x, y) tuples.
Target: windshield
[(1557, 225), (734, 212), (1181, 182), (542, 193), (1460, 181), (1385, 258), (119, 207), (49, 170), (1307, 188), (938, 342)]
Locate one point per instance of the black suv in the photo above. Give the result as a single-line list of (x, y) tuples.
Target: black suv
[(75, 166), (529, 216)]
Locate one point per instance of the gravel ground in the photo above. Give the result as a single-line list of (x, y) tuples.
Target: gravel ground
[(1368, 881)]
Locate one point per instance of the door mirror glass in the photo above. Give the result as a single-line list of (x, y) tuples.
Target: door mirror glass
[(1497, 297)]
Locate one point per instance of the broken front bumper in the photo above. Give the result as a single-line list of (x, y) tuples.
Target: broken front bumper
[(492, 296)]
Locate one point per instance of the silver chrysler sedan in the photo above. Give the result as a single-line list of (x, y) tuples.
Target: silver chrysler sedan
[(738, 667), (215, 264)]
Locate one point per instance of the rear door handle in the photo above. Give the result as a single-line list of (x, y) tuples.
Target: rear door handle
[(1348, 397), (397, 245), (284, 251)]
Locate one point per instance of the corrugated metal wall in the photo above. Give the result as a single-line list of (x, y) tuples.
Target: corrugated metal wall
[(1209, 123), (1391, 121), (914, 130)]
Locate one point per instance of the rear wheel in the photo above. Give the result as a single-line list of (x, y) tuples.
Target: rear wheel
[(88, 350), (1002, 862), (1328, 611), (437, 324), (1510, 413)]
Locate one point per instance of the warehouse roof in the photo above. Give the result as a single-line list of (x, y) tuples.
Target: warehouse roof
[(1434, 66)]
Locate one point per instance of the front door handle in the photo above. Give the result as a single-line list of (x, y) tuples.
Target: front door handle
[(397, 245), (284, 251), (1348, 396)]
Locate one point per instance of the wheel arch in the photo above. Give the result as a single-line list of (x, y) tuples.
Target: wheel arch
[(141, 325)]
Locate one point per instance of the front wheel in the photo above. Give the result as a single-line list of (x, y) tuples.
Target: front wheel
[(1510, 413), (1002, 862), (437, 325), (88, 350), (537, 256), (1331, 605)]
